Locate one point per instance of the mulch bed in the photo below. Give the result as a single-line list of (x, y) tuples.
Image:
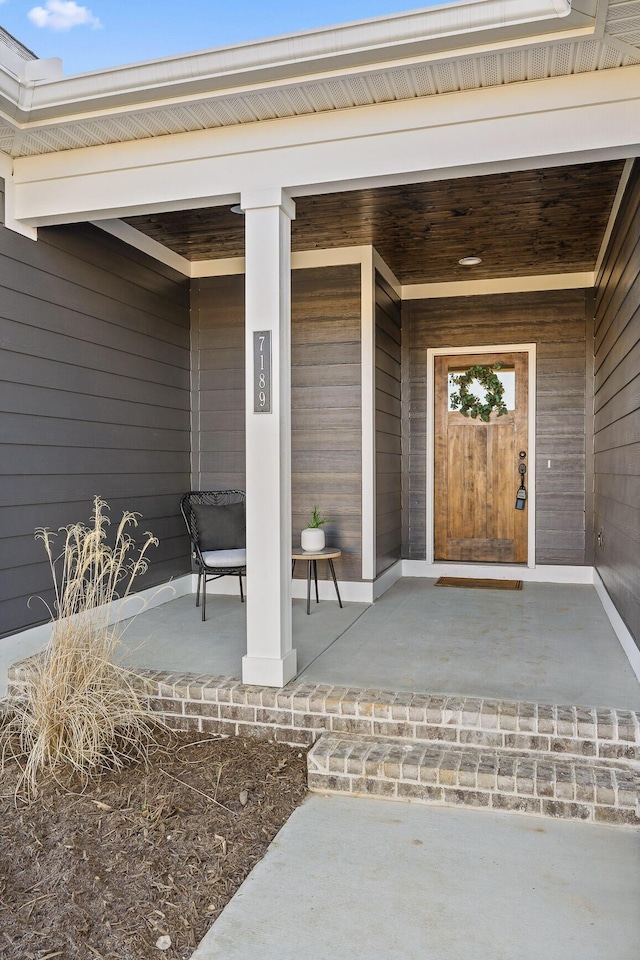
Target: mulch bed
[(147, 853)]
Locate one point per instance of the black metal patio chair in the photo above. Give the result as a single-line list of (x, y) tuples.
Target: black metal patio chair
[(215, 520)]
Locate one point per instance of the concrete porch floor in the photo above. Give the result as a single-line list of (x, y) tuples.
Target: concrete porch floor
[(549, 643)]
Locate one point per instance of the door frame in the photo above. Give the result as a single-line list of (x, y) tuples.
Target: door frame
[(432, 353)]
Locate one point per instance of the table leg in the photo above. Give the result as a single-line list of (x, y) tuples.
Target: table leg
[(315, 577), (335, 582), (308, 587)]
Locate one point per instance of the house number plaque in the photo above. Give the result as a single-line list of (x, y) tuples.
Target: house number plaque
[(262, 371)]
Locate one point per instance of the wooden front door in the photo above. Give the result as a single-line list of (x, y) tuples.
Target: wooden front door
[(476, 469)]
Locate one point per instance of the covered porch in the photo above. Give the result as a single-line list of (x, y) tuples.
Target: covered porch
[(549, 643), (350, 257)]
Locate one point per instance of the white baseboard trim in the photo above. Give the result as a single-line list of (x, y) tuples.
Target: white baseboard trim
[(153, 597), (620, 628), (544, 573), (387, 579), (350, 591), (116, 611), (20, 646), (366, 591)]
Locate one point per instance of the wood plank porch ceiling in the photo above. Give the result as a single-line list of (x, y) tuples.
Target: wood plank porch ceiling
[(524, 223)]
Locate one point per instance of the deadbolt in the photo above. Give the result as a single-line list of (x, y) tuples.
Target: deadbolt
[(522, 454)]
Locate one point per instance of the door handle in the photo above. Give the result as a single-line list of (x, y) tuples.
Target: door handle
[(521, 493)]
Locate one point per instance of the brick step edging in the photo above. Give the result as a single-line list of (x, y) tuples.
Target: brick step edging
[(493, 779), (300, 712)]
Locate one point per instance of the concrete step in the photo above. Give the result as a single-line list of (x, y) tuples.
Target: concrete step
[(493, 778)]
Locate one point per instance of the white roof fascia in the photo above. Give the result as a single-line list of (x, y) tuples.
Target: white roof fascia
[(369, 43), (165, 99), (10, 93)]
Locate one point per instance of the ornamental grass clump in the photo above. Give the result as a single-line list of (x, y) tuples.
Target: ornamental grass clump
[(81, 711)]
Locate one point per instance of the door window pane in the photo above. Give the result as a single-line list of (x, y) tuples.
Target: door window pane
[(506, 377)]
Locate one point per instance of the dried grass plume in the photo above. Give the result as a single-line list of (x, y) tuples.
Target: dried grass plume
[(81, 711)]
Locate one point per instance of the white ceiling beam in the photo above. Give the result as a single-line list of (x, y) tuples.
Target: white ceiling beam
[(534, 123), (135, 238)]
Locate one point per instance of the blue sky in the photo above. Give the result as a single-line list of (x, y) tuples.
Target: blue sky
[(91, 34)]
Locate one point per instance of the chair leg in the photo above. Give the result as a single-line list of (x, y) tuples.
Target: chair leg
[(241, 593), (204, 599), (198, 590)]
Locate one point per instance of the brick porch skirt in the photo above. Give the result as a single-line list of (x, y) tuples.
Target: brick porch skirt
[(558, 760)]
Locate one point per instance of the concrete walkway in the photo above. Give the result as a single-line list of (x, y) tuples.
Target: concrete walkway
[(352, 879)]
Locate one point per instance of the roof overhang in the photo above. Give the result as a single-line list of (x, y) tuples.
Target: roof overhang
[(421, 33), (457, 46)]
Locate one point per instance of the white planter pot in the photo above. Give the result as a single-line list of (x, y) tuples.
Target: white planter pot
[(312, 539)]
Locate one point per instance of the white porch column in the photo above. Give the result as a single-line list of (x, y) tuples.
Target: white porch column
[(270, 658)]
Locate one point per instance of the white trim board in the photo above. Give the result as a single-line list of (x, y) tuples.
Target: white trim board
[(613, 215), (338, 256), (351, 591), (119, 610), (368, 415), (140, 241), (432, 353), (497, 285), (543, 573), (234, 266), (387, 273), (10, 222), (619, 626), (387, 579)]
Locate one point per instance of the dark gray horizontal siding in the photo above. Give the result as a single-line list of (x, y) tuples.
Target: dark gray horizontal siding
[(218, 396), (94, 400), (326, 431), (617, 412), (326, 420), (37, 401)]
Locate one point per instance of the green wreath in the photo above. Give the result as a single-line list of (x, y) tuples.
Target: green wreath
[(468, 404)]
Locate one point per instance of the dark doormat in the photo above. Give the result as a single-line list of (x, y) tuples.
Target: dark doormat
[(479, 584)]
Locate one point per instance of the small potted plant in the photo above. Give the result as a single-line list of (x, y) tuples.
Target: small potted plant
[(312, 537)]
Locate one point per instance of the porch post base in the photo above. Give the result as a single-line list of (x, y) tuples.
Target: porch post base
[(269, 671)]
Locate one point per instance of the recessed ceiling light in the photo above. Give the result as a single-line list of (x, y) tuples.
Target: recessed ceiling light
[(237, 209), (470, 261)]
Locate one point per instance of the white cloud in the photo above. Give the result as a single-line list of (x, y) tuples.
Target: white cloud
[(62, 15)]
